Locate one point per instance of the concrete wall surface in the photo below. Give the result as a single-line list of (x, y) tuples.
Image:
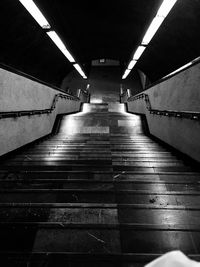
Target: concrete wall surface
[(18, 93), (179, 93), (72, 82), (105, 84)]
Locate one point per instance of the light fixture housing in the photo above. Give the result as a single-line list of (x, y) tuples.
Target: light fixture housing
[(58, 42), (35, 13), (162, 13)]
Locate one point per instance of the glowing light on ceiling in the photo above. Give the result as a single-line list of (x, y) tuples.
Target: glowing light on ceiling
[(79, 69), (42, 21), (126, 73), (35, 13), (131, 64), (153, 28), (162, 13), (58, 42), (138, 52)]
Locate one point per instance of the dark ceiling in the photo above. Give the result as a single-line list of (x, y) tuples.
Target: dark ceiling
[(98, 29)]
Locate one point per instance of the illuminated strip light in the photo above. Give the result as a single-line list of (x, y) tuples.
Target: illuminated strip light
[(35, 13), (139, 52), (131, 64), (81, 72), (153, 28), (166, 7), (162, 13), (126, 73), (42, 21), (58, 42)]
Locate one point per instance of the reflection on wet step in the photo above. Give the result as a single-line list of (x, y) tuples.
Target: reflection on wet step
[(99, 187)]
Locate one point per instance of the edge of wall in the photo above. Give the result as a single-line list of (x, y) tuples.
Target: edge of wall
[(18, 93), (40, 139), (181, 93)]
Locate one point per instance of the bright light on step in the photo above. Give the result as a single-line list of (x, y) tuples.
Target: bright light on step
[(139, 52), (58, 42), (96, 101), (81, 72), (162, 13), (131, 64), (35, 13)]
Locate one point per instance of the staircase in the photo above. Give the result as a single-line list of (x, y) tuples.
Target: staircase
[(99, 192)]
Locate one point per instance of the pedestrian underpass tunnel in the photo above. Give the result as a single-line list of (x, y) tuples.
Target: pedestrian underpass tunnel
[(99, 132)]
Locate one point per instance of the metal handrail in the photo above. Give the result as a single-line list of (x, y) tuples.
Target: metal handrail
[(15, 114), (169, 113), (123, 94)]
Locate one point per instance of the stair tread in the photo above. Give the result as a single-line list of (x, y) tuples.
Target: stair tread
[(98, 193)]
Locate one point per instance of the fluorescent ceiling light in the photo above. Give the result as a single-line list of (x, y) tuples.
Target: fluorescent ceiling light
[(139, 52), (154, 26), (131, 64), (56, 39), (36, 13), (126, 73), (162, 13), (78, 68), (68, 56), (166, 7), (58, 42)]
